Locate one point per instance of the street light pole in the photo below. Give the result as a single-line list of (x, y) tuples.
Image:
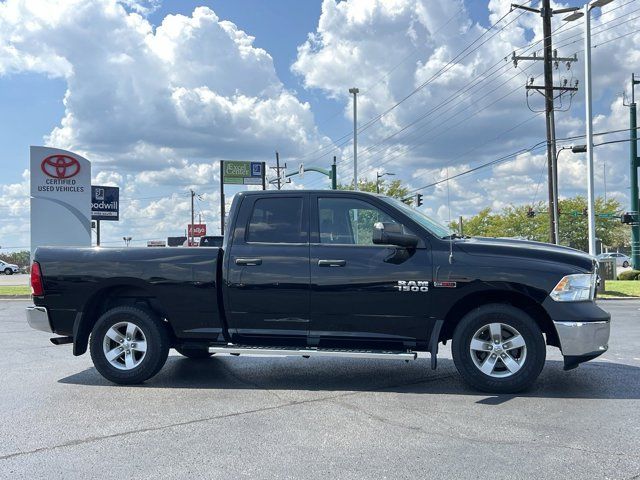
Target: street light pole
[(633, 177), (591, 214), (591, 210), (378, 176), (355, 92)]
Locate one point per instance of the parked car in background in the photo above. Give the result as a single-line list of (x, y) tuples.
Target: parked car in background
[(8, 268), (621, 259)]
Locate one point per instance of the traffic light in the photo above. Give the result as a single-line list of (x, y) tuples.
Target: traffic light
[(585, 211), (418, 199), (531, 213), (628, 217)]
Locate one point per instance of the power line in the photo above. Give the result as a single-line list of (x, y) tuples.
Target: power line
[(464, 89), (460, 56), (442, 70), (519, 152)]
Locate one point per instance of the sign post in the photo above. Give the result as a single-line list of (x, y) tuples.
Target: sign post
[(60, 198), (239, 173), (105, 205)]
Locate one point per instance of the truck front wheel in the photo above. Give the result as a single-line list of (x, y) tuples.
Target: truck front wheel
[(498, 349), (128, 345)]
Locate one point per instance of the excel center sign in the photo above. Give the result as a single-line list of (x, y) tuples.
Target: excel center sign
[(242, 173)]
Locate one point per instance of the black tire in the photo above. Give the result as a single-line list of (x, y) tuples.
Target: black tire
[(514, 318), (157, 345), (8, 271), (197, 353), (625, 264)]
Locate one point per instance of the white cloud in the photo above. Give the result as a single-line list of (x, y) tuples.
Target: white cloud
[(153, 107), (469, 114)]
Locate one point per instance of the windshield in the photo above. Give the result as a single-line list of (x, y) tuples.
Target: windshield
[(434, 227)]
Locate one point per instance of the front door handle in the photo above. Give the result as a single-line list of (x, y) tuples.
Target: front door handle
[(249, 262), (332, 263)]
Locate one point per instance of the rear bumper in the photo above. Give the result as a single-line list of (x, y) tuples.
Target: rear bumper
[(583, 338), (38, 319)]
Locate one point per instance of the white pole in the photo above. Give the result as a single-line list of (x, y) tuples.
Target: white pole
[(588, 120), (355, 136)]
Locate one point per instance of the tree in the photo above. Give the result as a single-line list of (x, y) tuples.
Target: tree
[(394, 189), (513, 221), (21, 259), (363, 221)]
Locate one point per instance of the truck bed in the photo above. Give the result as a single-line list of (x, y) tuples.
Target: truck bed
[(180, 282)]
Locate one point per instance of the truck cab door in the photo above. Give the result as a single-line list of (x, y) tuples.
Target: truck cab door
[(357, 288), (267, 282)]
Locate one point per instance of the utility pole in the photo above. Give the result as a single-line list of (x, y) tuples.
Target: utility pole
[(334, 174), (193, 194), (633, 178), (278, 168), (355, 92), (280, 173), (549, 58)]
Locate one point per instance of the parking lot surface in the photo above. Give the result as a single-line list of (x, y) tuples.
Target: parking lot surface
[(245, 417), (15, 279)]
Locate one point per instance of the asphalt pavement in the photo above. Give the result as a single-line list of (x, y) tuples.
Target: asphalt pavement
[(15, 279), (247, 417)]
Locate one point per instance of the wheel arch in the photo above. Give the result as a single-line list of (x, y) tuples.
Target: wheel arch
[(130, 293), (516, 299)]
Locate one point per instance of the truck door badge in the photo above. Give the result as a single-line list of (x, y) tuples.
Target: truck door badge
[(445, 284), (412, 286)]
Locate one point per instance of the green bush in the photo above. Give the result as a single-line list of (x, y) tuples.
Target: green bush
[(629, 275)]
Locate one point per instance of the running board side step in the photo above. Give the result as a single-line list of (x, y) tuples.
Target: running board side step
[(310, 352)]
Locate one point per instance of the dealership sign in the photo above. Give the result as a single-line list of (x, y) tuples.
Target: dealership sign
[(242, 173), (60, 198), (105, 203), (199, 230)]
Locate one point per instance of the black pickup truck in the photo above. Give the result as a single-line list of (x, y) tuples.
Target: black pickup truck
[(325, 273)]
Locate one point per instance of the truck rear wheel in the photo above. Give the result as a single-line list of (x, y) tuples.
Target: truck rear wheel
[(194, 352), (498, 349), (128, 345)]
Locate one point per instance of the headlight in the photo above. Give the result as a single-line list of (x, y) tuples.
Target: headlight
[(575, 288)]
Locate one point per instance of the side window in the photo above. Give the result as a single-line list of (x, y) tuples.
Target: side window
[(277, 220), (346, 221)]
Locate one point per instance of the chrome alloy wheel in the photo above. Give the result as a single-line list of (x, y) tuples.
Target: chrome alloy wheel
[(498, 350), (124, 345)]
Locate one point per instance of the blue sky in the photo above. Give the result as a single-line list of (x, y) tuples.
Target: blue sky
[(383, 50)]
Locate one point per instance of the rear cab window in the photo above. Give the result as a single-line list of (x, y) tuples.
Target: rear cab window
[(277, 220)]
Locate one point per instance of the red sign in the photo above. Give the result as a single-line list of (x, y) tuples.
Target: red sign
[(60, 166), (199, 229)]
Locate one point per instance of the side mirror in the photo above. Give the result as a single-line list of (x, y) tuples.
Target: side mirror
[(391, 234)]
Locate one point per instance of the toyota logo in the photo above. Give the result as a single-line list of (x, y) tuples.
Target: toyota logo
[(60, 166)]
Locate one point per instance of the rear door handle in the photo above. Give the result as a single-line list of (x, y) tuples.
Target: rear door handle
[(249, 262), (332, 263)]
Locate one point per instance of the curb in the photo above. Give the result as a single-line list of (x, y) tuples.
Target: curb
[(617, 298), (15, 297)]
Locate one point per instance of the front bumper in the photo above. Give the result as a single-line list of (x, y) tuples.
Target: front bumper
[(38, 319), (583, 338)]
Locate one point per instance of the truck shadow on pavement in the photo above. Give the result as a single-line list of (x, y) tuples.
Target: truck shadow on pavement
[(594, 380)]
